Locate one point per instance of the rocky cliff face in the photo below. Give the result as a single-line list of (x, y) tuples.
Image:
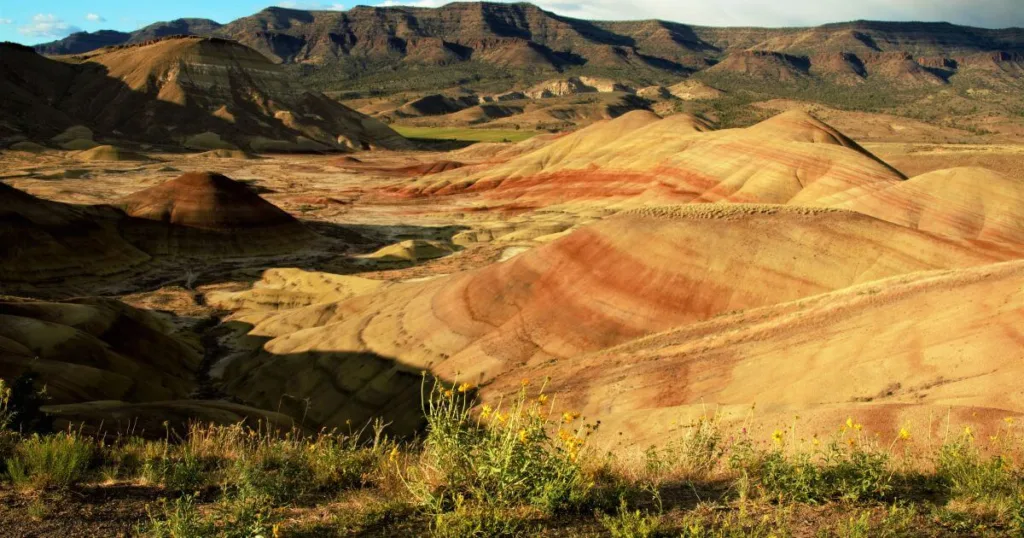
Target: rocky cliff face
[(525, 37)]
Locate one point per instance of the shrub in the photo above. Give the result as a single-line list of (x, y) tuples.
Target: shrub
[(124, 459), (850, 471), (340, 461), (8, 439), (466, 521), (236, 516), (695, 455), (730, 525), (22, 406), (966, 473), (180, 519), (59, 460), (244, 515), (631, 523), (6, 413), (177, 468), (278, 471), (503, 457), (1017, 513)]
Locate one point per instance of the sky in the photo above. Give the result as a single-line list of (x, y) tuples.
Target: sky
[(47, 20)]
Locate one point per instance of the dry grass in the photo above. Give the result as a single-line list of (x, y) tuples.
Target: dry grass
[(521, 469)]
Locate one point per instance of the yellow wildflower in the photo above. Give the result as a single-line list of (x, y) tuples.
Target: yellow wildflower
[(1008, 421), (524, 382), (522, 436), (501, 417), (486, 411), (570, 416), (448, 393), (543, 398), (777, 437), (904, 434), (849, 423), (969, 432), (393, 456)]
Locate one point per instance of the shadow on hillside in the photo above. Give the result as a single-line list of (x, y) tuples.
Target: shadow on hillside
[(59, 94), (332, 251), (239, 380)]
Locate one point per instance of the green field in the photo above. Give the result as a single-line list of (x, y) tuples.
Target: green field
[(463, 134)]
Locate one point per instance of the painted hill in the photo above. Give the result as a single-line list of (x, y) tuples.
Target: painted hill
[(965, 203), (207, 213), (94, 349), (640, 158), (635, 274), (53, 244), (205, 200), (889, 352)]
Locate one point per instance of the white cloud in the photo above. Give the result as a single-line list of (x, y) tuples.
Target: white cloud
[(6, 21), (92, 17), (48, 25), (989, 13), (311, 6)]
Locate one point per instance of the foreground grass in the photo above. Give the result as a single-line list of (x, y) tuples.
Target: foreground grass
[(522, 469), (463, 134)]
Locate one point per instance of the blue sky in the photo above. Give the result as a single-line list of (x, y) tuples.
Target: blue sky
[(46, 20)]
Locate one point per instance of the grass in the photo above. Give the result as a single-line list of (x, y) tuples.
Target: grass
[(523, 467), (53, 461), (463, 134)]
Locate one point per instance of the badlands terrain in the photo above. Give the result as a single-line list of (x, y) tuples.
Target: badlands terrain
[(191, 235)]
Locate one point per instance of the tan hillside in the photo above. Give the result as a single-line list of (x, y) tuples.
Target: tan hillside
[(641, 158), (890, 353), (626, 277), (964, 203), (764, 65)]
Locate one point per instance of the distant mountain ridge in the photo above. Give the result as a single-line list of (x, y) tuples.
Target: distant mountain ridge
[(81, 42), (522, 36)]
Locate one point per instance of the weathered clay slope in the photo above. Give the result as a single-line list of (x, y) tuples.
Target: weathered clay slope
[(640, 158), (911, 351), (628, 276), (964, 203), (206, 213), (49, 241), (94, 349)]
